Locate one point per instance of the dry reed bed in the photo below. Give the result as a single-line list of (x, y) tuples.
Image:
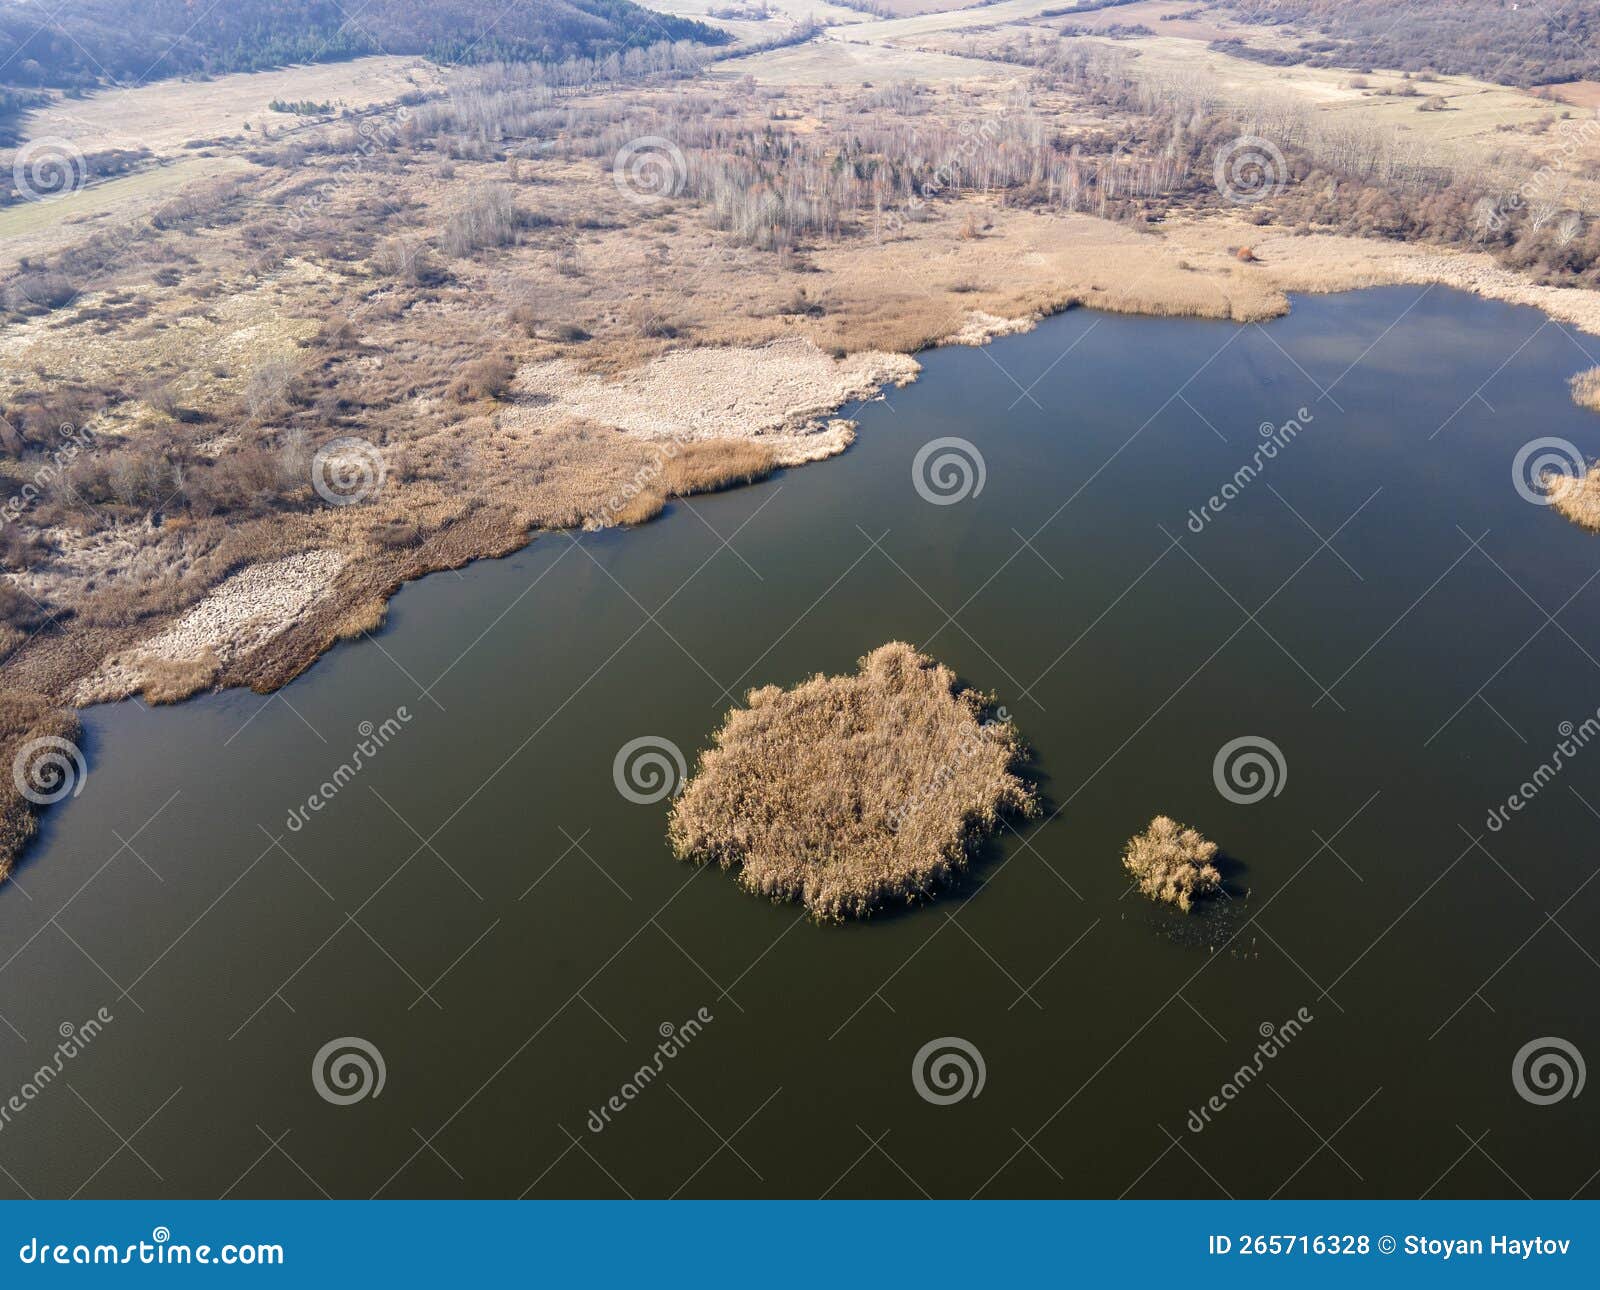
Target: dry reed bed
[(1586, 389), (851, 793), (1171, 862), (1576, 497), (28, 722)]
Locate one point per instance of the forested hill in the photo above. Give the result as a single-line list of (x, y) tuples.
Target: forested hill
[(83, 43), (1514, 42)]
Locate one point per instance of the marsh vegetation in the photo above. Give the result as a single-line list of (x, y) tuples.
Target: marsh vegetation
[(853, 793), (1171, 862)]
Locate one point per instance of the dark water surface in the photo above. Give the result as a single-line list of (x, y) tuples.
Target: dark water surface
[(484, 907)]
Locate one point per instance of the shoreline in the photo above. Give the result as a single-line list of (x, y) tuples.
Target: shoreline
[(352, 604)]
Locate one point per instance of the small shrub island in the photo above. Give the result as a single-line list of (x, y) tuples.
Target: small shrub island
[(850, 793), (1172, 862), (1577, 497)]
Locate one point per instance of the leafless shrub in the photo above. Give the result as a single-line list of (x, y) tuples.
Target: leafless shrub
[(33, 291), (267, 389), (409, 261), (488, 377), (487, 218)]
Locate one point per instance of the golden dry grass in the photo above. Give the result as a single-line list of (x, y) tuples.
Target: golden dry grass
[(703, 466), (1578, 499), (849, 793), (365, 617), (1586, 389), (710, 464), (1172, 862), (169, 680)]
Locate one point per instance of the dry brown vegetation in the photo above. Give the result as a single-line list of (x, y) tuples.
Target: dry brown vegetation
[(1586, 389), (172, 680), (1171, 862), (698, 467), (849, 793), (23, 719), (1576, 497)]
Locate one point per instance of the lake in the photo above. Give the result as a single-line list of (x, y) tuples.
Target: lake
[(484, 908)]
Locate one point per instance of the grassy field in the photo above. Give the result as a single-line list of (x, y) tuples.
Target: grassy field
[(37, 228), (836, 59), (166, 116)]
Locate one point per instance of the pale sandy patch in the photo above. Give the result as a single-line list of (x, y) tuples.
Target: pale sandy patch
[(833, 60), (989, 15), (243, 612), (783, 393), (979, 328)]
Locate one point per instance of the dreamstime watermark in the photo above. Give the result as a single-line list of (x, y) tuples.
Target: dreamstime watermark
[(1538, 464), (1248, 769), (948, 470), (948, 1070), (49, 768), (1548, 1070), (372, 134), (348, 1070), (972, 138), (47, 168), (648, 769), (160, 1250), (1274, 439), (373, 740), (75, 440), (650, 167), (972, 741), (1574, 738), (1274, 1039), (74, 1039), (643, 480), (1544, 187), (1248, 168), (674, 1039), (348, 471)]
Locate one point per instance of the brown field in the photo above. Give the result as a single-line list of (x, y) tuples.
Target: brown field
[(850, 793), (1584, 94)]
